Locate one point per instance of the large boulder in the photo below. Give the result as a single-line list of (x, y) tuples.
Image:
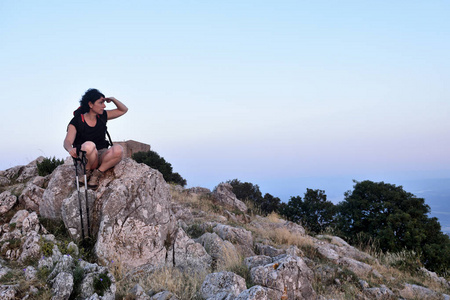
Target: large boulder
[(136, 224), (31, 196), (222, 252), (186, 254), (241, 238), (289, 274), (60, 187), (224, 194)]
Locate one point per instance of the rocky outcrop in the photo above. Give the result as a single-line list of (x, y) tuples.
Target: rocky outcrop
[(20, 174), (224, 195), (139, 230)]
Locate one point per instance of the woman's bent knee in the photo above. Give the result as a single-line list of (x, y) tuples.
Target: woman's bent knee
[(89, 147), (117, 151)]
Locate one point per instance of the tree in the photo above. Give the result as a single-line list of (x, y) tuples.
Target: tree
[(396, 219), (153, 160), (314, 211), (250, 192)]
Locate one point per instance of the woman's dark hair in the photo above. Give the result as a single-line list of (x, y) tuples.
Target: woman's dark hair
[(91, 95)]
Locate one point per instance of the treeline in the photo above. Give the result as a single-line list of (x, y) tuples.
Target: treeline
[(376, 213)]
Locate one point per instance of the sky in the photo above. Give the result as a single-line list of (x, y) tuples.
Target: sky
[(283, 94)]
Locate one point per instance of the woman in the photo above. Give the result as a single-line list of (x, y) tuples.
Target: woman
[(86, 131)]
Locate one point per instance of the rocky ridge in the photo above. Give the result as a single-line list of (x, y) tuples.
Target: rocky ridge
[(147, 234)]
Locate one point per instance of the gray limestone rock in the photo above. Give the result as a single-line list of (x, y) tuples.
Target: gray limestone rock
[(7, 201), (62, 286), (222, 285), (224, 194), (289, 274)]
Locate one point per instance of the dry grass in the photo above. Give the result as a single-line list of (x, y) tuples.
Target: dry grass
[(273, 217), (185, 285), (196, 202)]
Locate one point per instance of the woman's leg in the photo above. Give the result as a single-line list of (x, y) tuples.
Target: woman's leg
[(111, 158), (91, 155)]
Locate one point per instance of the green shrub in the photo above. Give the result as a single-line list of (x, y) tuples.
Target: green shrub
[(153, 160), (101, 284), (48, 165)]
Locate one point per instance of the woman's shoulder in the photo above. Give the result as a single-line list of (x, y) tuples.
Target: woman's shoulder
[(75, 120)]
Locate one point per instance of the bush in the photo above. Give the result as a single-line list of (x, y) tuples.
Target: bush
[(153, 160), (48, 165), (246, 191)]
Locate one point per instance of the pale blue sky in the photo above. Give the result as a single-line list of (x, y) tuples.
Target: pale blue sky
[(284, 94)]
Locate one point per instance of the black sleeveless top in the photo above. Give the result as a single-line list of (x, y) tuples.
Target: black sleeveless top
[(94, 134)]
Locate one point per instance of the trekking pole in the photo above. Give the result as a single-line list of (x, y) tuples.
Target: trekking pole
[(84, 162), (75, 162)]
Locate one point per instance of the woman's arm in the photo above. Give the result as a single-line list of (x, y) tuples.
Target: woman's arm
[(68, 141), (120, 110)]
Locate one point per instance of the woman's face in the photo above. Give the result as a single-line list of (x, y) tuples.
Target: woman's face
[(99, 106)]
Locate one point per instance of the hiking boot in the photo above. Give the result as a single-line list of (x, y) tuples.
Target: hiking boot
[(81, 175), (95, 178)]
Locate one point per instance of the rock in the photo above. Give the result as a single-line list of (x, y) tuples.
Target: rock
[(357, 267), (327, 251), (199, 191), (138, 293), (136, 222), (7, 202), (70, 213), (258, 292), (3, 270), (258, 260), (294, 228), (30, 224), (289, 274), (164, 295), (241, 238), (31, 247), (73, 248), (224, 194), (268, 250), (223, 253), (31, 197), (188, 255), (65, 264), (60, 187), (45, 262), (8, 292), (413, 291), (20, 174), (433, 276), (381, 293), (18, 218), (62, 286), (341, 248), (30, 273), (93, 274), (39, 181), (218, 286)]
